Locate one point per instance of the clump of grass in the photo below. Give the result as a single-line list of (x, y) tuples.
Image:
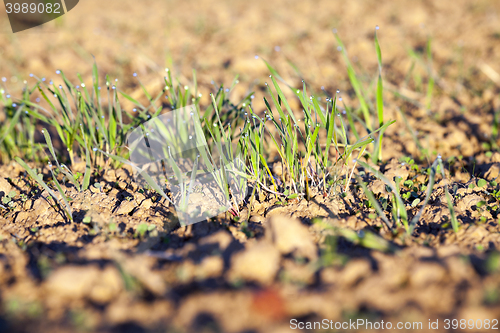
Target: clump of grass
[(365, 106), (66, 207), (315, 149), (399, 212)]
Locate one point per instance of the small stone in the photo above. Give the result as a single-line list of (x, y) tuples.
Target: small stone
[(146, 204), (290, 235), (493, 172), (5, 187), (222, 238), (126, 207), (257, 218), (107, 287), (478, 233), (72, 281), (355, 271), (276, 210), (40, 206), (258, 262), (425, 274)]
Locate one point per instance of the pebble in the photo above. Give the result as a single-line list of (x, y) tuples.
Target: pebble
[(125, 207), (290, 235), (5, 186), (258, 262)]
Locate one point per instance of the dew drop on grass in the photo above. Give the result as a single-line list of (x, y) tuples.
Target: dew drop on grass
[(134, 109), (340, 98), (77, 87), (83, 85), (338, 114), (38, 100), (114, 87), (26, 112), (58, 72), (227, 89), (256, 57), (94, 149), (51, 82), (14, 104), (343, 112), (135, 74), (277, 48), (8, 96), (439, 156), (31, 75), (334, 30), (186, 87), (339, 48), (377, 27), (60, 87), (43, 79), (252, 97), (338, 91), (55, 95)]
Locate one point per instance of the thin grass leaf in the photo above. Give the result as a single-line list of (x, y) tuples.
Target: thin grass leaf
[(430, 187), (12, 123), (373, 201), (40, 181), (356, 84), (401, 206), (449, 201), (63, 194)]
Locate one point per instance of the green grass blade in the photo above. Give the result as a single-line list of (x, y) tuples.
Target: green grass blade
[(356, 84), (380, 112), (374, 202), (40, 181), (401, 206), (12, 123), (430, 187), (449, 201)]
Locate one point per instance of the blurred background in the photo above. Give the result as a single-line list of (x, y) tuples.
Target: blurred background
[(220, 39)]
